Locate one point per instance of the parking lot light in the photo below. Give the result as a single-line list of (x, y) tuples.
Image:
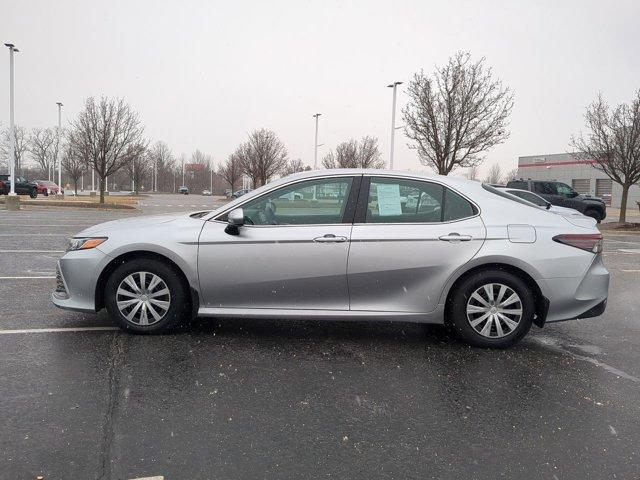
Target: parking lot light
[(12, 131), (394, 85), (59, 159)]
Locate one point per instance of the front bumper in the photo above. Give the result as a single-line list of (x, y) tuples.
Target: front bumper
[(77, 277)]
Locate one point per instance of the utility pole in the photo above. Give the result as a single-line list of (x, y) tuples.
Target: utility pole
[(315, 150), (394, 85), (59, 159), (12, 131)]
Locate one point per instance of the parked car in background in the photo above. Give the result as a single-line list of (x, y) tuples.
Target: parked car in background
[(485, 262), (239, 193), (562, 195), (540, 202), (206, 192), (22, 186), (47, 187), (183, 190)]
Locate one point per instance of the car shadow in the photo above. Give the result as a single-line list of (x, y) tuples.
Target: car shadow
[(320, 330)]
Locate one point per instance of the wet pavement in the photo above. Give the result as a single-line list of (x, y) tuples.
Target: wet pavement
[(228, 399)]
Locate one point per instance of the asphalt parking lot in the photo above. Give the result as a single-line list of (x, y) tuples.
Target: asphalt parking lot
[(230, 399)]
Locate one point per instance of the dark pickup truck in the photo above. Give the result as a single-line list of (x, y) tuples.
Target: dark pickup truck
[(22, 186), (561, 194)]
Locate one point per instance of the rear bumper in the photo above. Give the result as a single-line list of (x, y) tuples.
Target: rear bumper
[(579, 297)]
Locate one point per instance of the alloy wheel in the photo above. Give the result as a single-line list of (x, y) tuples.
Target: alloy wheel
[(143, 298), (494, 310)]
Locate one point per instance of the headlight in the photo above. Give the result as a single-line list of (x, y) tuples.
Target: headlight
[(84, 243)]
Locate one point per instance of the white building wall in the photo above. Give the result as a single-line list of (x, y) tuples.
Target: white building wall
[(559, 167)]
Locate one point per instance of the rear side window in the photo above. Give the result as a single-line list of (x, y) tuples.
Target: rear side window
[(456, 207), (393, 200), (545, 188)]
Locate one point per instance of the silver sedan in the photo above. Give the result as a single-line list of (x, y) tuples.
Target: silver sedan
[(346, 244)]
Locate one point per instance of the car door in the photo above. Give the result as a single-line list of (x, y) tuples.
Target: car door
[(403, 253), (291, 253)]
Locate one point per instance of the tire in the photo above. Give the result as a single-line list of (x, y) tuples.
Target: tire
[(33, 193), (464, 308), (593, 214), (178, 298)]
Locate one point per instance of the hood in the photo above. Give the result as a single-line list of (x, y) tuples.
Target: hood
[(132, 222), (592, 199)]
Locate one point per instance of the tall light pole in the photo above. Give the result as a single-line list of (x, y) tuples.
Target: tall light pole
[(59, 159), (12, 128), (315, 150), (394, 85)]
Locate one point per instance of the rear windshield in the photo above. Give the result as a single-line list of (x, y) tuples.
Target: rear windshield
[(504, 194)]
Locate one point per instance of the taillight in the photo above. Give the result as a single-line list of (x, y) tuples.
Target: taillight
[(591, 242)]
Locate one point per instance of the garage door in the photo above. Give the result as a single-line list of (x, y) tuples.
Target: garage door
[(581, 185), (603, 189)]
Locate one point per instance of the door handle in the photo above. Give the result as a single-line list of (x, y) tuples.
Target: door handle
[(455, 237), (330, 238)]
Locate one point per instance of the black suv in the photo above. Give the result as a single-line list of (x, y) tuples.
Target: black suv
[(22, 186), (561, 194)]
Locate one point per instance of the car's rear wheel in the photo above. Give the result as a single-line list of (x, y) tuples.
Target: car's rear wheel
[(146, 296), (492, 308)]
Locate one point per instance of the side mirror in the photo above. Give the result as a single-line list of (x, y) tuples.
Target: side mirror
[(235, 220)]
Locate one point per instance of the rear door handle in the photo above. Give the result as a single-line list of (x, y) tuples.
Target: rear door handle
[(330, 238), (455, 237)]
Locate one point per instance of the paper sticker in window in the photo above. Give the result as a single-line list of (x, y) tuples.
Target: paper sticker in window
[(388, 199)]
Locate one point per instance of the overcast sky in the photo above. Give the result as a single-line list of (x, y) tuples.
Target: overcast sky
[(203, 74)]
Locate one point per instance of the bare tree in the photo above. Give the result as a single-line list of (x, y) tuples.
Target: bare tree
[(42, 147), (511, 175), (457, 114), (354, 154), (494, 175), (163, 161), (74, 164), (262, 156), (231, 170), (295, 166), (109, 134), (613, 142), (473, 172), (21, 146), (138, 170)]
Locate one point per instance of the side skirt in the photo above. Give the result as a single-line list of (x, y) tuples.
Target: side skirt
[(437, 316)]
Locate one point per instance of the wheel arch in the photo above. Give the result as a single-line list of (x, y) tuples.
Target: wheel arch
[(541, 302), (137, 254)]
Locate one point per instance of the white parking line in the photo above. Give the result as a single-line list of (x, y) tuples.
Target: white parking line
[(34, 234), (25, 278), (46, 224), (57, 330), (31, 251)]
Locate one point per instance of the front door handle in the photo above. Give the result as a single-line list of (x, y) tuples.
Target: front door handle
[(330, 238), (455, 237)]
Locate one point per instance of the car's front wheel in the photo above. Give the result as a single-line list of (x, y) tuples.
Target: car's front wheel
[(33, 193), (492, 308), (146, 296)]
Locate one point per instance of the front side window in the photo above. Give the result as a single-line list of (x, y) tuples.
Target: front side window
[(564, 190), (314, 202), (394, 200)]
